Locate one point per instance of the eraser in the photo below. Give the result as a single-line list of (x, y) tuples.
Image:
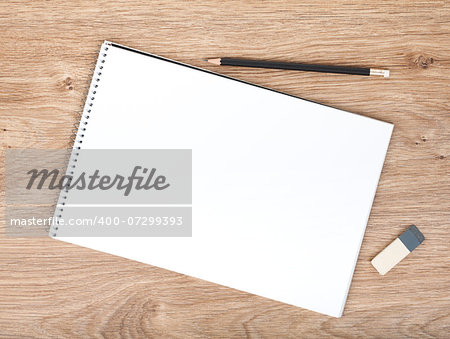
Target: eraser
[(397, 250)]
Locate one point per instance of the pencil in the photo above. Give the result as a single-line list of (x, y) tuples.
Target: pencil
[(299, 67)]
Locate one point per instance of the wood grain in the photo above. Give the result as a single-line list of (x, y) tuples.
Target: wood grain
[(53, 289)]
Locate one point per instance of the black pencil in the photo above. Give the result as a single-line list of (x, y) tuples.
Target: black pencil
[(298, 67)]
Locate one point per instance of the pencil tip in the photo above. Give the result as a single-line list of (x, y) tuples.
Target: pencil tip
[(213, 61), (383, 72)]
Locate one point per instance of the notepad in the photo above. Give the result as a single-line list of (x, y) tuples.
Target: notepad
[(282, 187)]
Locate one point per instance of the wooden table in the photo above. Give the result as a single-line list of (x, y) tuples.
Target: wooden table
[(52, 289)]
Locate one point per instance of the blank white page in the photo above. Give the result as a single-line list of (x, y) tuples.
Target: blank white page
[(282, 187)]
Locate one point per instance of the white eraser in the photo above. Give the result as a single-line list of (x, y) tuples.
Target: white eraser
[(397, 250)]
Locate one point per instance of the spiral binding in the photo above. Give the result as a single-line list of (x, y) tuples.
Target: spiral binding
[(79, 132)]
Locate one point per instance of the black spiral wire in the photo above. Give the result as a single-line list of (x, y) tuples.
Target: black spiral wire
[(79, 130)]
